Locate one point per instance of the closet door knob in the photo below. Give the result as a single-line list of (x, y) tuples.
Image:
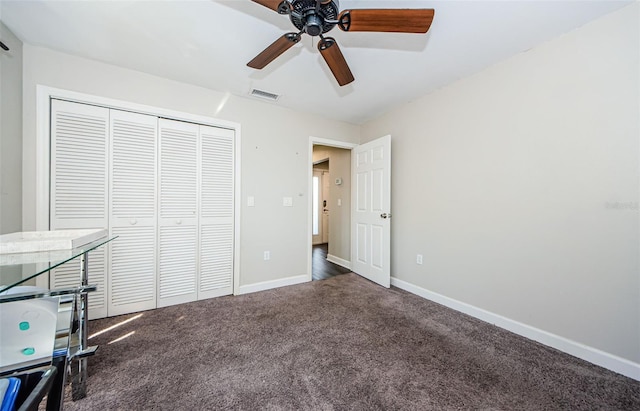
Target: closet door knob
[(133, 221), (178, 221)]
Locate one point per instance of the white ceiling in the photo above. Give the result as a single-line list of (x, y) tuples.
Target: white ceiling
[(208, 43)]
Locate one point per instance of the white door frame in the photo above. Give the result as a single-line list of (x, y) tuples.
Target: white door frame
[(324, 142), (44, 94)]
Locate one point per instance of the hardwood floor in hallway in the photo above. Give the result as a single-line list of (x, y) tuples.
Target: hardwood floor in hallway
[(321, 268)]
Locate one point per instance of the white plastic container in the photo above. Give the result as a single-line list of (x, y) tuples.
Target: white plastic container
[(28, 328)]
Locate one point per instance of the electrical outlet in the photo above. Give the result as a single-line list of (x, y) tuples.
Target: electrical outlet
[(419, 259), (267, 255)]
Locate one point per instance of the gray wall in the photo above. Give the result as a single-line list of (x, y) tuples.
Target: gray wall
[(520, 187), (10, 133), (340, 216)]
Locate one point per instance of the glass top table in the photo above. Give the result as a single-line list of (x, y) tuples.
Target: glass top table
[(18, 270), (22, 268)]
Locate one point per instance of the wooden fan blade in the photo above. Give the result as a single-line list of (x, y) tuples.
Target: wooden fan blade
[(335, 60), (270, 4), (386, 20), (276, 48)]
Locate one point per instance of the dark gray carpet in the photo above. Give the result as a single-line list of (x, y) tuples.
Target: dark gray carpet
[(337, 344)]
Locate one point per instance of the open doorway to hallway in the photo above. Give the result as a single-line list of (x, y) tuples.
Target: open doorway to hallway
[(331, 211)]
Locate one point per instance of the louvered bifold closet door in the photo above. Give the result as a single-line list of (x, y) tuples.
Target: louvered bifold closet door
[(178, 245), (132, 283), (79, 167), (216, 212)]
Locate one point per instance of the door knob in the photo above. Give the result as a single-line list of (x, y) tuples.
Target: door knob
[(385, 215)]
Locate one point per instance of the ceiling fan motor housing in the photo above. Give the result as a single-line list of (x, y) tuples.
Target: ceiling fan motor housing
[(305, 17)]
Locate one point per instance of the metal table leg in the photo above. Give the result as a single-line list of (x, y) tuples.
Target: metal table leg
[(79, 364)]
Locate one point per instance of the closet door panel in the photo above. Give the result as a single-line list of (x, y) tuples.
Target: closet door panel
[(133, 172), (178, 172), (79, 169), (216, 212), (79, 164), (133, 213), (216, 260), (177, 265), (217, 173), (178, 221), (133, 263)]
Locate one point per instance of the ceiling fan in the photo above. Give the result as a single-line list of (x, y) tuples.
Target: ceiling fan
[(316, 17)]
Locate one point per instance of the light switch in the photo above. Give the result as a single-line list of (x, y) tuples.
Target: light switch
[(339, 202), (251, 202), (287, 201)]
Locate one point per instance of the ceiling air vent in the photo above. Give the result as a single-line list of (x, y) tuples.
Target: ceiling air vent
[(264, 95)]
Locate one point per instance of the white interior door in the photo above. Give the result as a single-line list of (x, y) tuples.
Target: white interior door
[(371, 225)]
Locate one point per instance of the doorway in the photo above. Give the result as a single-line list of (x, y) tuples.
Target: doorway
[(320, 198), (366, 226), (330, 246)]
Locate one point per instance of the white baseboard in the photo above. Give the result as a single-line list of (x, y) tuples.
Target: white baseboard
[(267, 285), (593, 355), (337, 260)]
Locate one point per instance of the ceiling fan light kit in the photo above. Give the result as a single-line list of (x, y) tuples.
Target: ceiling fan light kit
[(317, 17)]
